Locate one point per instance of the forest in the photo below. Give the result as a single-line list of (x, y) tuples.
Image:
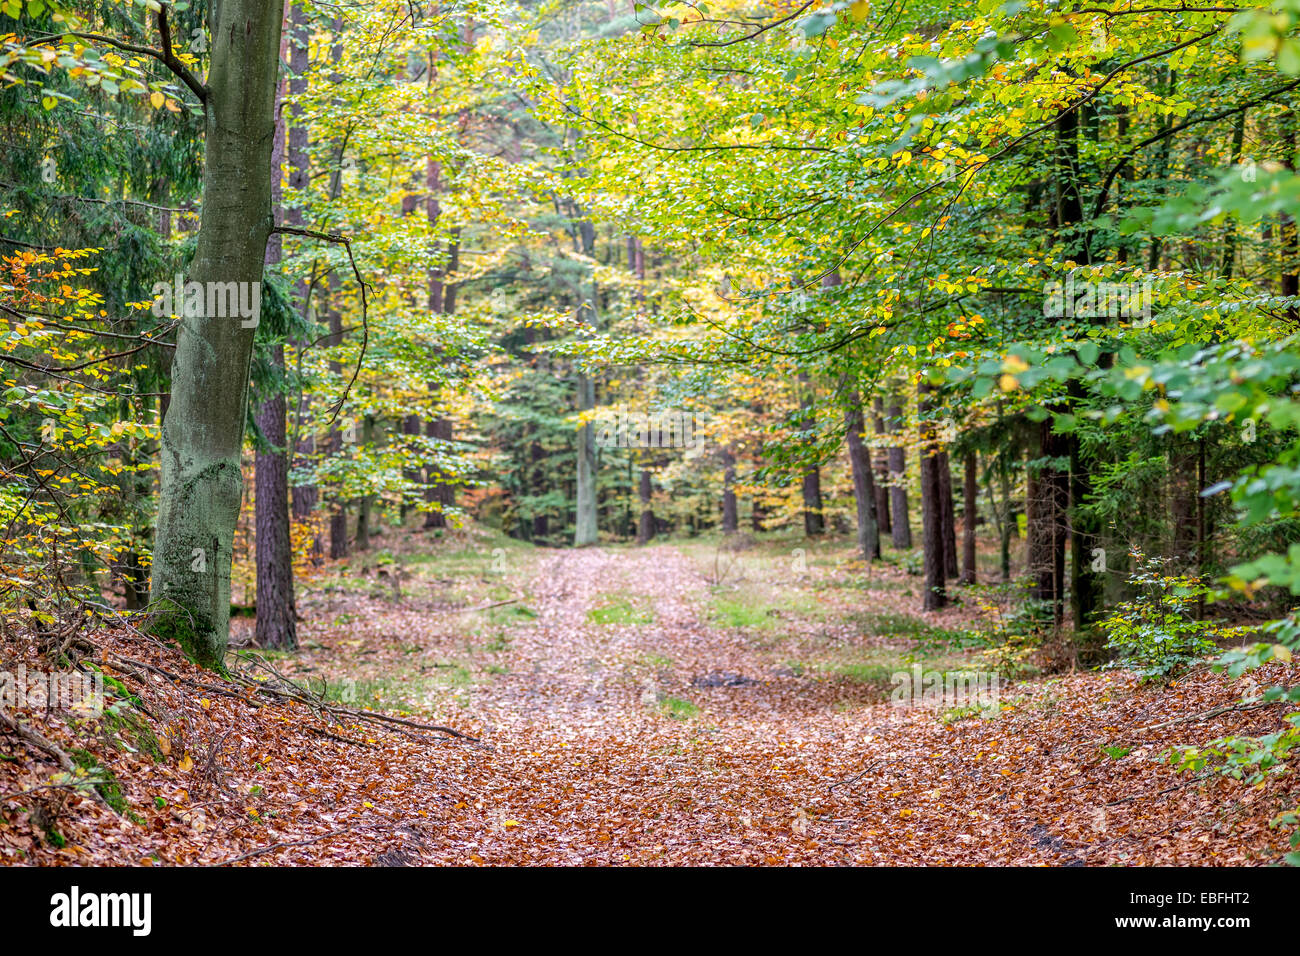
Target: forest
[(597, 432)]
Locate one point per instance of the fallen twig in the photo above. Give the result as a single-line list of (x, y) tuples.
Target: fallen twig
[(284, 846)]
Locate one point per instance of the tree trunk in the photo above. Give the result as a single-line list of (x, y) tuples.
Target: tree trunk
[(645, 529), (585, 498), (365, 503), (334, 316), (540, 524), (936, 595), (1047, 497), (970, 508), (202, 436), (730, 519), (334, 441), (276, 624), (813, 523), (306, 496), (864, 484), (880, 464), (901, 524)]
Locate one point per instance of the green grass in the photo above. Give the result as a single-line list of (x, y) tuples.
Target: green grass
[(739, 613), (511, 614), (926, 635), (678, 709), (619, 610), (863, 673)]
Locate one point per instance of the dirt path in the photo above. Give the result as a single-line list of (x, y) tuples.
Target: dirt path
[(668, 740), (662, 741)]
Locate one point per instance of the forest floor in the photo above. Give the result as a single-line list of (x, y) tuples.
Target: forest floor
[(672, 704)]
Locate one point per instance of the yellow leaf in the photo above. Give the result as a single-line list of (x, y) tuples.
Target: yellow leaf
[(1282, 653), (204, 703), (157, 99), (186, 764)]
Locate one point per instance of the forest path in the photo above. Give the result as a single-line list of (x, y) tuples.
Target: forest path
[(629, 730), (646, 716)]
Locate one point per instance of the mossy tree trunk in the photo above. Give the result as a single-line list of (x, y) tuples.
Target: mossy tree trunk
[(203, 433)]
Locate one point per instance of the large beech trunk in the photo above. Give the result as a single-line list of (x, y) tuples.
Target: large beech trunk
[(202, 436)]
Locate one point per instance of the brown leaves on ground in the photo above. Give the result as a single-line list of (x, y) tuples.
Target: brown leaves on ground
[(653, 734)]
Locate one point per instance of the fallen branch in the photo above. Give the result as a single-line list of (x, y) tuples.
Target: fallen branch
[(285, 846)]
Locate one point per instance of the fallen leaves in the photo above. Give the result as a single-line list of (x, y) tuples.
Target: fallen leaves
[(768, 766)]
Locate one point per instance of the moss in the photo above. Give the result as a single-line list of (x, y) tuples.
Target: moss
[(126, 724), (192, 631), (107, 784)]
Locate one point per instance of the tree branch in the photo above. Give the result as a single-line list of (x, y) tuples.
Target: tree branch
[(365, 327)]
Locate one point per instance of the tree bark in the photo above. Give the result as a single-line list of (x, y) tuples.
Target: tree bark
[(1046, 502), (880, 464), (202, 436), (645, 529), (813, 522), (334, 441), (365, 503), (901, 524), (585, 533), (276, 624), (970, 512), (730, 519), (864, 490), (305, 497), (936, 595)]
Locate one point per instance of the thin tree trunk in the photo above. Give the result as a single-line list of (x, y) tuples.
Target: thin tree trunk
[(901, 524), (305, 496), (864, 485), (334, 441), (813, 523), (539, 484), (334, 316), (585, 498), (970, 508), (1045, 510), (880, 464), (936, 595), (364, 504), (276, 624), (730, 520), (645, 529)]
